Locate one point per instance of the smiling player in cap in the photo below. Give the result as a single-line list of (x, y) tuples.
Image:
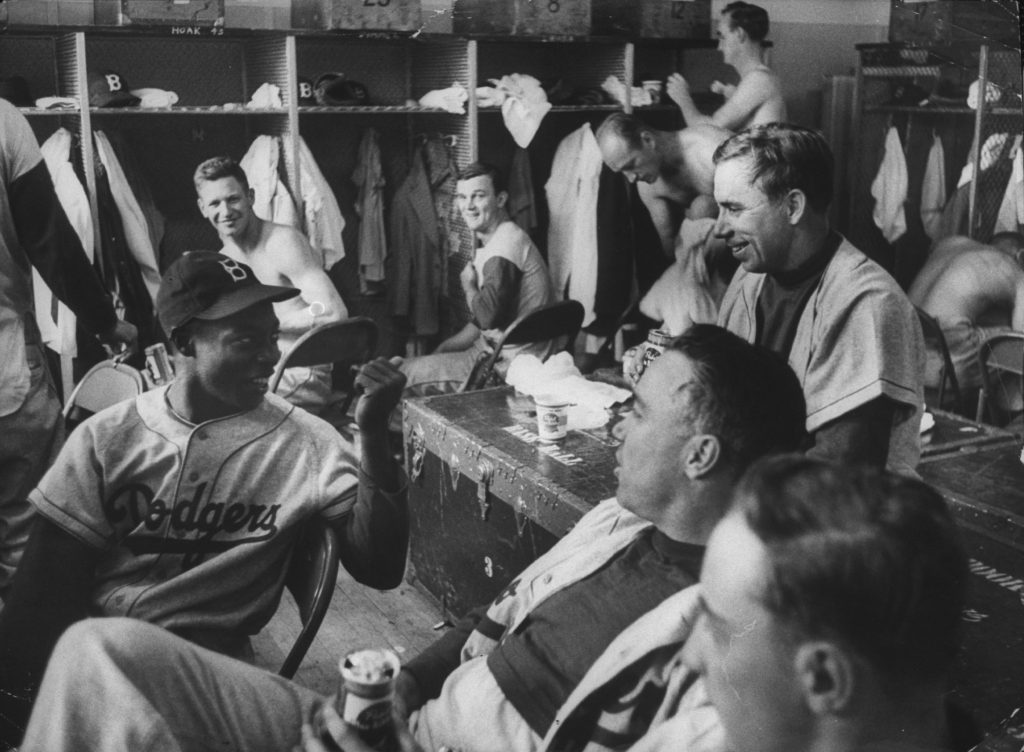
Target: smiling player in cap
[(181, 506)]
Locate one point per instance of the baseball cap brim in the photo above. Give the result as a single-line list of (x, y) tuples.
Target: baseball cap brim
[(238, 300)]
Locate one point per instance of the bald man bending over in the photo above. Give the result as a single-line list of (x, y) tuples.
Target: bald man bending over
[(674, 174), (974, 291)]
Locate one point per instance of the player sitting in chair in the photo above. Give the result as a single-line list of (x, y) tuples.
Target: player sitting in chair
[(543, 659), (181, 507), (506, 279)]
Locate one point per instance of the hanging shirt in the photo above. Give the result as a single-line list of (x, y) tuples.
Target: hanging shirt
[(1011, 211), (369, 179), (133, 219), (572, 192), (889, 189), (324, 221), (272, 200), (933, 189)]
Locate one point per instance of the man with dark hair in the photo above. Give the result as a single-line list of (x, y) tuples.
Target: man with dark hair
[(829, 612), (974, 290), (181, 507), (805, 292), (507, 278), (35, 232), (279, 255), (757, 98), (543, 666)]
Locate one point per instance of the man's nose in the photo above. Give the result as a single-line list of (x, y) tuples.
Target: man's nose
[(270, 353), (722, 229), (692, 649)]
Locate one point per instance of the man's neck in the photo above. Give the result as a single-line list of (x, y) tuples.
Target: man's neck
[(696, 510), (748, 59), (483, 237), (194, 405), (808, 241)]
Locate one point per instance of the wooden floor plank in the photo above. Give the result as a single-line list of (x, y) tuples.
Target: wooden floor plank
[(402, 619)]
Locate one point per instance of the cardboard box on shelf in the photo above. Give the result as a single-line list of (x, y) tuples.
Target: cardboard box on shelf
[(373, 15), (534, 18), (669, 19)]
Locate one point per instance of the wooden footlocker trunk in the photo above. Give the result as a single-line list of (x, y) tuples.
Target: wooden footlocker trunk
[(486, 497)]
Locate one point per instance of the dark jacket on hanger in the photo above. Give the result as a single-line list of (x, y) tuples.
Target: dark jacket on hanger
[(415, 241)]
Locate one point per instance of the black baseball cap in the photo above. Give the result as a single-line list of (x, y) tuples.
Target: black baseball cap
[(108, 88), (209, 286)]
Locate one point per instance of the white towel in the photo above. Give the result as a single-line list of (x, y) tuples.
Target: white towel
[(889, 189), (933, 189)]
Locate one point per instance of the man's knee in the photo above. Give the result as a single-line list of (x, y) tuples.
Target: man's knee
[(123, 640)]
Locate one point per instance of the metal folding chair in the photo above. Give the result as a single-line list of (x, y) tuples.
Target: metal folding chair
[(105, 384), (342, 344), (558, 320), (1001, 361), (312, 575), (934, 337)]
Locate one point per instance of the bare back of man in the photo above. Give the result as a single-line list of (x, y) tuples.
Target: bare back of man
[(967, 281)]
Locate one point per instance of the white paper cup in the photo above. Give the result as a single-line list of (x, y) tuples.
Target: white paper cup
[(552, 418), (654, 88)]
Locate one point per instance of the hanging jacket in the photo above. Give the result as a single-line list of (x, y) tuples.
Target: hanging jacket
[(372, 240), (416, 240), (133, 220), (522, 204), (56, 321)]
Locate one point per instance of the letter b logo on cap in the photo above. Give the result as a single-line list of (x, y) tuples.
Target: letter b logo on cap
[(113, 81), (305, 90), (235, 271)]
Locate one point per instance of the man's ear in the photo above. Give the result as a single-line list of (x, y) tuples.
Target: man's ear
[(251, 193), (700, 455), (796, 205), (826, 674), (501, 199), (202, 209)]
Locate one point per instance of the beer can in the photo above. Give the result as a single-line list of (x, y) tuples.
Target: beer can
[(158, 364), (367, 693)]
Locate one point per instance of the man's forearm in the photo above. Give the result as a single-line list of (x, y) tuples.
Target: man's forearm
[(375, 536), (859, 437), (433, 665)]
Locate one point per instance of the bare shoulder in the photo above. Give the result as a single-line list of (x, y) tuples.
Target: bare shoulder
[(704, 136)]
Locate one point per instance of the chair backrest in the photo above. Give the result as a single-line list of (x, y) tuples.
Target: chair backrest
[(560, 320), (341, 343), (1001, 362), (947, 374), (105, 384), (311, 578)]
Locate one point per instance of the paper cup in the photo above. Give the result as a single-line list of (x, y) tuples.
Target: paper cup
[(552, 418), (654, 88)]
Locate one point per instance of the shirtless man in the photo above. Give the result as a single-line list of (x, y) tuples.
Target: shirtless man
[(673, 171), (279, 255), (758, 96), (974, 291)]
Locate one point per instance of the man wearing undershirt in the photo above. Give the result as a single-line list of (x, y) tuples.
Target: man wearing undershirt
[(702, 412), (805, 292)]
